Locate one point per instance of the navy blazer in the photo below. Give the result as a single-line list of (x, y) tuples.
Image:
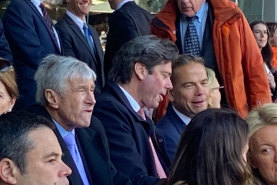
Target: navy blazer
[(75, 44), (172, 127), (30, 40), (5, 52), (93, 147), (126, 23), (128, 136)]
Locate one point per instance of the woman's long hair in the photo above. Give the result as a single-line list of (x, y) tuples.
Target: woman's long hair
[(210, 150), (266, 51)]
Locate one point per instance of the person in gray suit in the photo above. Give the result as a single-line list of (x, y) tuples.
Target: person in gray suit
[(80, 40)]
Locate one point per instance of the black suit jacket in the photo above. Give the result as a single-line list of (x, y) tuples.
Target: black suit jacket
[(5, 52), (125, 24), (75, 44), (30, 40), (172, 127), (128, 135), (93, 147)]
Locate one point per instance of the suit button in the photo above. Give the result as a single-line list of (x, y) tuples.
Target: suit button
[(161, 140)]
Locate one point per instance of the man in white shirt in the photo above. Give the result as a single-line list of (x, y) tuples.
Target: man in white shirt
[(188, 97), (81, 41)]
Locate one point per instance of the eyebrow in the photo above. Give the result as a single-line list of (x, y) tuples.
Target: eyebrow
[(51, 154)]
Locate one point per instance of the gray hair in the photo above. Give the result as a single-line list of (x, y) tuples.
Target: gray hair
[(148, 50), (54, 72)]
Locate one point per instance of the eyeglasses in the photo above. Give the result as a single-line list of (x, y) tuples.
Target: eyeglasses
[(4, 66), (220, 87)]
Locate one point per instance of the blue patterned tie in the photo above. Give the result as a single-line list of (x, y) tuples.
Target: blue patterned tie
[(70, 141), (191, 43), (88, 37)]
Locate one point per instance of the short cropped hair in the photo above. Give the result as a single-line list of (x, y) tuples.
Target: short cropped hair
[(148, 50), (262, 116), (14, 130), (54, 72), (183, 60)]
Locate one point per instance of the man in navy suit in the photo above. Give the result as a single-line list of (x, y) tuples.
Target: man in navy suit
[(139, 78), (5, 52), (65, 95), (188, 97), (74, 39), (30, 38), (127, 22)]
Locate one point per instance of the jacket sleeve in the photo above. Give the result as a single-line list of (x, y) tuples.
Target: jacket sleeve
[(124, 153)]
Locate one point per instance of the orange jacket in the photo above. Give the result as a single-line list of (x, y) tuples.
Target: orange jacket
[(274, 57), (238, 57)]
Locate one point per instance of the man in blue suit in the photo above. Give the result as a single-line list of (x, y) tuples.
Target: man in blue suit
[(31, 37), (139, 78), (188, 97), (75, 42)]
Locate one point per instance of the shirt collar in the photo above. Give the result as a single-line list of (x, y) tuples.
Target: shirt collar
[(122, 3), (134, 104), (62, 131), (36, 2), (183, 117), (77, 20)]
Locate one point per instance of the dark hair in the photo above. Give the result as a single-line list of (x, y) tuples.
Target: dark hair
[(14, 130), (210, 150), (183, 60), (266, 51), (148, 50)]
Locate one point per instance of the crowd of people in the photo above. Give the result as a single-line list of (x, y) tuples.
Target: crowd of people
[(185, 97)]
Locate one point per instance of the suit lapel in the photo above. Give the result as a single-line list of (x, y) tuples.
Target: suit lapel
[(79, 34), (94, 156), (175, 119)]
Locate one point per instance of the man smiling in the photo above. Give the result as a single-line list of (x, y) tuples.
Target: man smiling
[(188, 97), (81, 41)]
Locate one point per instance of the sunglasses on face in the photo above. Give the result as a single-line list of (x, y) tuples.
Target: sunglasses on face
[(4, 65)]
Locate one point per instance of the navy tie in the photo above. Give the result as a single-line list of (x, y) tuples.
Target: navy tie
[(88, 36), (191, 43), (48, 21)]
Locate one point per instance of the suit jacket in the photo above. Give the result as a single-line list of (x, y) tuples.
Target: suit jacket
[(125, 24), (128, 136), (93, 147), (5, 52), (30, 40), (172, 127), (75, 44)]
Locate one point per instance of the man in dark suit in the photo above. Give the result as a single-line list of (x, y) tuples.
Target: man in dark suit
[(65, 96), (127, 22), (188, 97), (139, 78), (31, 37), (75, 43), (5, 52)]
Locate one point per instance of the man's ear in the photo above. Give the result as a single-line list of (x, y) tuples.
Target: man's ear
[(52, 98), (140, 70), (8, 171)]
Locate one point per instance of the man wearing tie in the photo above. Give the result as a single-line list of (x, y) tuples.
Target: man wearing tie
[(218, 31), (65, 95), (139, 77), (31, 36), (80, 40)]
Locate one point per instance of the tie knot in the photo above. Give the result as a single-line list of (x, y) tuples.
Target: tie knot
[(69, 139), (85, 26), (190, 19)]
